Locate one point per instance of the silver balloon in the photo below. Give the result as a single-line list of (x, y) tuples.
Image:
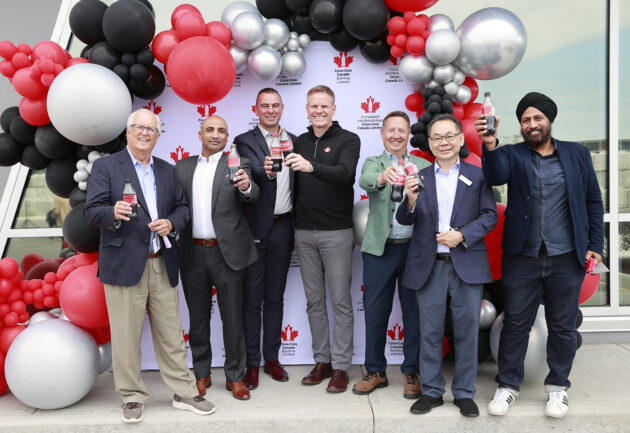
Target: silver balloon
[(487, 314), (416, 70), (293, 44), (276, 33), (55, 311), (293, 64), (359, 219), (40, 316), (463, 95), (51, 364), (81, 163), (104, 357), (459, 77), (440, 22), (443, 73), (88, 168), (248, 30), (63, 316), (442, 47), (80, 175), (432, 84), (535, 365), (83, 186), (235, 9), (294, 35), (493, 42), (240, 57), (265, 63), (304, 40), (451, 88)]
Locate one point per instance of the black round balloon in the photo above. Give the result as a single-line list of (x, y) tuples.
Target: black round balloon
[(128, 25), (377, 50), (341, 40), (447, 107), (425, 117), (421, 138), (464, 152), (579, 340), (33, 158), (77, 196), (128, 59), (365, 19), (439, 90), (153, 86), (80, 235), (414, 142), (10, 150), (138, 72), (82, 152), (145, 57), (122, 71), (580, 319), (85, 52), (435, 98), (434, 108), (7, 117), (418, 127), (104, 54), (86, 21), (149, 6), (298, 6), (60, 176), (301, 23), (133, 85), (21, 131), (425, 104), (66, 253), (325, 15), (273, 8), (426, 93), (109, 147), (52, 144)]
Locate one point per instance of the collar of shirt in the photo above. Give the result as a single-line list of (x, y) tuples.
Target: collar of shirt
[(212, 159), (437, 168), (555, 148), (136, 162), (266, 134)]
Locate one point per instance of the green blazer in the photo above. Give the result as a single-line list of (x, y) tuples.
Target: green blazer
[(382, 207)]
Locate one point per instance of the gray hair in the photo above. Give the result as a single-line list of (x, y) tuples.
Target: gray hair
[(158, 122)]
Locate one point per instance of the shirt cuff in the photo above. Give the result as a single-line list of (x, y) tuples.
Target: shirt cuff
[(247, 191)]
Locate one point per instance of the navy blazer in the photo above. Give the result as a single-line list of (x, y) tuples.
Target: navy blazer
[(123, 251), (513, 165), (253, 146), (474, 212)]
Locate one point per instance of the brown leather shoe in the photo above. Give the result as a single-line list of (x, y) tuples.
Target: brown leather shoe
[(369, 383), (412, 388), (320, 372), (239, 390), (276, 371), (202, 384), (338, 381), (251, 378)]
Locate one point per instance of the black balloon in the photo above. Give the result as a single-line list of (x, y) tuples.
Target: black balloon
[(85, 52), (149, 6), (425, 118), (109, 147), (122, 71), (153, 86), (439, 90), (52, 144), (10, 150), (128, 59), (33, 158), (434, 108), (301, 23), (447, 106), (77, 196), (82, 152), (80, 235), (128, 25), (420, 138), (273, 8), (145, 57), (579, 340), (464, 152), (21, 131), (426, 93), (86, 21), (418, 127), (66, 253), (59, 176), (104, 54), (325, 15), (580, 319), (435, 98), (298, 6), (7, 117), (342, 41), (365, 19), (377, 50), (138, 72)]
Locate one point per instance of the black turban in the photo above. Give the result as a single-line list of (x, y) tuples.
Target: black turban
[(539, 101)]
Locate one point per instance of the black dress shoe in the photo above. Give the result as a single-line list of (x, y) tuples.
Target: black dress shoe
[(467, 406), (425, 404)]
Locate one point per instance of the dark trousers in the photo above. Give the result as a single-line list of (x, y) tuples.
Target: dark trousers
[(207, 269), (380, 274), (557, 281), (265, 282)]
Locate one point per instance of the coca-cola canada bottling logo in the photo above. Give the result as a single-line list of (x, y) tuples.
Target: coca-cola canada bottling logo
[(392, 73), (343, 70), (179, 153), (370, 105), (369, 120), (395, 336), (288, 335)]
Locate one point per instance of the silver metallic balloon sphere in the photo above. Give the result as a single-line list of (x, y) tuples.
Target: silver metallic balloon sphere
[(304, 40), (443, 73), (293, 44), (440, 22), (81, 175), (276, 33), (63, 316), (104, 357), (94, 155), (459, 77), (493, 42), (81, 163), (463, 95), (235, 9), (55, 311), (88, 167), (432, 84), (240, 57), (359, 220), (442, 47), (487, 314), (293, 64), (416, 69), (51, 364), (248, 30), (83, 186), (294, 35), (40, 316), (264, 63), (451, 88)]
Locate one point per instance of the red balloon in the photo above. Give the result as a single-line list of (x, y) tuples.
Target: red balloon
[(472, 110), (4, 309), (397, 25), (400, 40), (473, 86), (410, 5), (27, 297), (396, 51), (473, 159), (458, 111), (8, 267), (39, 271), (182, 9), (7, 49), (415, 45), (101, 335), (416, 27), (493, 244), (423, 154), (82, 298), (76, 61), (85, 259), (18, 307), (7, 69), (11, 319), (391, 40), (30, 260), (20, 60), (589, 287), (427, 21), (189, 24), (163, 44), (34, 111), (220, 32), (24, 48), (473, 141), (47, 79), (49, 49), (408, 16), (26, 85), (201, 70), (5, 287), (413, 102)]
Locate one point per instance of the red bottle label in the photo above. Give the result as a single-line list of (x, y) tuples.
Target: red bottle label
[(129, 198), (411, 169), (234, 161), (400, 179), (286, 146), (276, 151), (487, 110)]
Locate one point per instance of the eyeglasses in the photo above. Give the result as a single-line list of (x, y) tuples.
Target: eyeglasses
[(450, 138), (140, 128)]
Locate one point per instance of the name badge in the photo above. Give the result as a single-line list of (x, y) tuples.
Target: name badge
[(465, 180)]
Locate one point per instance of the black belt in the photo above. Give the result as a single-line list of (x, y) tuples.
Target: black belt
[(154, 255), (398, 240), (444, 257), (281, 217)]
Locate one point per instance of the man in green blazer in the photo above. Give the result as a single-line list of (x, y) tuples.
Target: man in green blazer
[(384, 251)]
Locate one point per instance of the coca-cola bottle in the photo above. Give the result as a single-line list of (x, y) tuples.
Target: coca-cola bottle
[(276, 153), (285, 143), (412, 170), (129, 196), (399, 185), (234, 163), (487, 110)]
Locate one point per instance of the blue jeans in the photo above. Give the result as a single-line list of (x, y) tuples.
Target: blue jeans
[(555, 280)]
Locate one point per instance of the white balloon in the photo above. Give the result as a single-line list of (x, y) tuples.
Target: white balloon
[(293, 44), (459, 77), (304, 40), (81, 164), (487, 314), (416, 69), (248, 30), (105, 357), (440, 22), (276, 33), (443, 73), (40, 316), (83, 186), (240, 57), (80, 175), (293, 64), (88, 168), (94, 155), (88, 104), (235, 9), (442, 47), (463, 95), (451, 88), (265, 63)]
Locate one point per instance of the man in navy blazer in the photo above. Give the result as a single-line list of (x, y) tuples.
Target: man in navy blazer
[(553, 227), (139, 271), (271, 222), (447, 257)]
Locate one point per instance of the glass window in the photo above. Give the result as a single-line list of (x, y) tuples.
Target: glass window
[(602, 296), (47, 247), (39, 208), (624, 107)]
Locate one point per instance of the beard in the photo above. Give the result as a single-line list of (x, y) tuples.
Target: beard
[(538, 140)]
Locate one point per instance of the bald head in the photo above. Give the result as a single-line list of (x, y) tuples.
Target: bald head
[(213, 135)]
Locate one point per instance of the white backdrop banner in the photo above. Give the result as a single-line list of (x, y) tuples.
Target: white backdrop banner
[(365, 93)]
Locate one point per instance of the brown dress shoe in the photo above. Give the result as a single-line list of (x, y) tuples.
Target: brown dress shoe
[(202, 384), (239, 390), (320, 372), (412, 388), (251, 378), (276, 371), (369, 383), (338, 381)]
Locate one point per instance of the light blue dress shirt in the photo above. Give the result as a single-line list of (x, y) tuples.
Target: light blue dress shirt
[(446, 186), (146, 177)]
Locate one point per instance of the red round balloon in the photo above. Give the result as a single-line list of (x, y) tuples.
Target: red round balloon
[(493, 244), (39, 271), (220, 32), (410, 5), (400, 40), (397, 25), (7, 49), (201, 70), (7, 69), (30, 260), (189, 24), (415, 27), (415, 45), (473, 159), (391, 39), (396, 51), (163, 44), (85, 259), (34, 111), (8, 267), (427, 21), (76, 61), (101, 335), (20, 60), (458, 111), (408, 16), (7, 335), (589, 287), (413, 102), (5, 287), (82, 298), (26, 85), (472, 110), (182, 9), (51, 50), (473, 142), (473, 86)]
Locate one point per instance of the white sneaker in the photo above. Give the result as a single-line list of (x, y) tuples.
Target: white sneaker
[(503, 399), (557, 404)]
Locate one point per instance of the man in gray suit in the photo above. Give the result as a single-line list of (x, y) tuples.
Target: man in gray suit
[(216, 247)]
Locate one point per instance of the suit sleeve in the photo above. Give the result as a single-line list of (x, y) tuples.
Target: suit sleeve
[(180, 214), (255, 190), (369, 175), (495, 165), (594, 209), (403, 215), (99, 208), (345, 170), (478, 228), (257, 166)]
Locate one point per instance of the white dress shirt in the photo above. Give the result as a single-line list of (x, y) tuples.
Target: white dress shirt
[(283, 182), (446, 186), (202, 227)]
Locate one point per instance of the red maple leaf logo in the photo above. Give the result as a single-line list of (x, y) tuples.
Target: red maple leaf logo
[(203, 112), (254, 109), (396, 333), (394, 60), (343, 60), (364, 196), (185, 335), (153, 107), (288, 333), (179, 153), (361, 287), (214, 291), (370, 105)]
